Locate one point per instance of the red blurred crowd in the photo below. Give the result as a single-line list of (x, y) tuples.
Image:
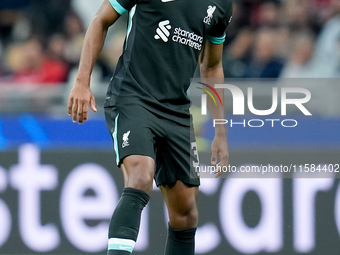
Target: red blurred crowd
[(40, 41)]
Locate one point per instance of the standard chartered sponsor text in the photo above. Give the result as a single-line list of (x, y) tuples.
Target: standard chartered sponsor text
[(187, 38)]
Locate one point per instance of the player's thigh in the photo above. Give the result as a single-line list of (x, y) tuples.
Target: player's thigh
[(134, 144), (131, 129), (138, 172), (176, 159)]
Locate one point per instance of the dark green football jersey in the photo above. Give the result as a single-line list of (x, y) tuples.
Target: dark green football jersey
[(163, 42)]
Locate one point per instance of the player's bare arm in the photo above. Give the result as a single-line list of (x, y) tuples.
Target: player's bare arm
[(211, 67), (81, 96)]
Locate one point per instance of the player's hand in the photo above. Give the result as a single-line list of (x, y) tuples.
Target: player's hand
[(78, 103), (219, 149)]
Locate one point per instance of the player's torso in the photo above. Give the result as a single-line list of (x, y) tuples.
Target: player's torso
[(164, 39)]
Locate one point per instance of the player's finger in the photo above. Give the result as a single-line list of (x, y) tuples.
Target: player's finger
[(69, 106), (223, 161), (224, 158), (80, 112), (213, 157), (222, 164), (85, 111), (218, 171), (93, 104), (74, 111)]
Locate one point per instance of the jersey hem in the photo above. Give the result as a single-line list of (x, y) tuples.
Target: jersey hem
[(180, 116)]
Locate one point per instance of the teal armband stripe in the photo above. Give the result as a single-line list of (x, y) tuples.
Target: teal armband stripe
[(216, 40), (117, 6)]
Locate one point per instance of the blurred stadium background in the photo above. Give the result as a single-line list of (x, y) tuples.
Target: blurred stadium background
[(58, 183)]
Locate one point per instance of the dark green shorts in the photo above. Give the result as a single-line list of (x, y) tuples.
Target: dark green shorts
[(137, 131)]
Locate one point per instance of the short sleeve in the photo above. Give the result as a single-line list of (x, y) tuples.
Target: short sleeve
[(122, 6), (217, 33)]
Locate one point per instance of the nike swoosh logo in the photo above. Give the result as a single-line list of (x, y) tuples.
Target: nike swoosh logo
[(165, 1)]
